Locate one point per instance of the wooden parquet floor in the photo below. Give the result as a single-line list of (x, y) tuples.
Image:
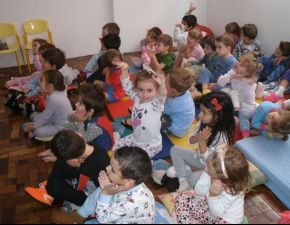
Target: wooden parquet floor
[(20, 167)]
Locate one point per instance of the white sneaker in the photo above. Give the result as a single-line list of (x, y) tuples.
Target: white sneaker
[(171, 172)]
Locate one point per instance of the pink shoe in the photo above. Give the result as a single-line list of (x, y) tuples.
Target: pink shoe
[(281, 104), (273, 97)]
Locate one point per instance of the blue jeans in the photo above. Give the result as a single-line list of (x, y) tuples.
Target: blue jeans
[(33, 87), (93, 62), (118, 128)]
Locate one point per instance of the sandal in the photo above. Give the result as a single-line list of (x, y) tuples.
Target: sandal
[(125, 124)]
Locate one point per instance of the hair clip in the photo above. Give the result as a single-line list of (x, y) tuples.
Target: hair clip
[(215, 103), (220, 154)]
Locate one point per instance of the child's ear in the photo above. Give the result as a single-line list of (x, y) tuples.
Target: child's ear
[(130, 183), (91, 112), (229, 48), (54, 67)]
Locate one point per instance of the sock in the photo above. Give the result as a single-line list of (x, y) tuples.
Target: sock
[(183, 185), (287, 103), (280, 91), (236, 114)]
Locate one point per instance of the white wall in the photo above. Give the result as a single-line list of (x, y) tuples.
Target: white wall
[(75, 25), (271, 18), (135, 17)]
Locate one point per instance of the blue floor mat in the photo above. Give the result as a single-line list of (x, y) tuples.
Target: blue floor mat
[(134, 69)]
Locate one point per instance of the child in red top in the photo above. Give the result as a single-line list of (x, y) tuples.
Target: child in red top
[(112, 85)]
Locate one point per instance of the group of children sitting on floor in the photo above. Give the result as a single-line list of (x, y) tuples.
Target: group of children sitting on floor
[(163, 93)]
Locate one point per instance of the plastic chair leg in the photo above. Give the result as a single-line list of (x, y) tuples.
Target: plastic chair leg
[(28, 61), (17, 59)]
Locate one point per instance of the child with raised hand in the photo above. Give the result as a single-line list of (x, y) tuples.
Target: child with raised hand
[(223, 183), (122, 198), (36, 43), (216, 126), (249, 43), (148, 92), (163, 60), (274, 67), (192, 50), (268, 120), (225, 61), (179, 109), (242, 90), (149, 43), (112, 86), (109, 28), (234, 29), (77, 164), (54, 117)]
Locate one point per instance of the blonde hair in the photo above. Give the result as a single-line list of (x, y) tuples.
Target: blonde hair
[(237, 169), (282, 126), (143, 75), (195, 33), (251, 64)]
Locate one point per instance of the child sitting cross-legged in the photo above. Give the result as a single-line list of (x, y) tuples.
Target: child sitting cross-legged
[(122, 197)]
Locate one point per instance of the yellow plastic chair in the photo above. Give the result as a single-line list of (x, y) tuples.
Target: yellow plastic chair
[(9, 30), (36, 26)]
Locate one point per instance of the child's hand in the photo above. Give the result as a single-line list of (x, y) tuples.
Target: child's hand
[(103, 179), (178, 25), (191, 6), (113, 189), (255, 53), (159, 78), (280, 59), (277, 135), (237, 76), (81, 116), (29, 128), (121, 65), (216, 188), (204, 134), (150, 53)]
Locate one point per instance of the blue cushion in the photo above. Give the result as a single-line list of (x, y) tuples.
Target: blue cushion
[(134, 69), (166, 146), (272, 157), (162, 215)]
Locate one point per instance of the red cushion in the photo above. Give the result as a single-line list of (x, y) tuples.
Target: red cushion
[(119, 109)]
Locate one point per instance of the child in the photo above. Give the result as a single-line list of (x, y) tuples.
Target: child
[(224, 63), (234, 29), (249, 42), (112, 86), (77, 163), (110, 41), (36, 43), (192, 50), (149, 43), (20, 83), (88, 120), (54, 117), (277, 89), (122, 197), (164, 59), (148, 93), (242, 90), (109, 28), (216, 126), (224, 183), (179, 109), (267, 120), (273, 70), (210, 57)]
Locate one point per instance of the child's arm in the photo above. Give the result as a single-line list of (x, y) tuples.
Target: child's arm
[(257, 119), (258, 50), (191, 8), (225, 79), (198, 62), (107, 73), (158, 66), (160, 79), (178, 61), (203, 184), (36, 62)]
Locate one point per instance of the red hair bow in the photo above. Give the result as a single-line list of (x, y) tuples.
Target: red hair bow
[(217, 106)]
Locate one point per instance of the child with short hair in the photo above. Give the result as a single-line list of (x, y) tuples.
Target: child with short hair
[(234, 29), (268, 120), (274, 67), (148, 92), (242, 90), (149, 43), (249, 43), (110, 41), (192, 50), (122, 196), (112, 86), (225, 61), (58, 106), (216, 126), (109, 28), (179, 109), (163, 60), (222, 185), (77, 163)]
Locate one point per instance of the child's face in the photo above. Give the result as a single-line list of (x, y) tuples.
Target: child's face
[(205, 115), (114, 172), (35, 46), (278, 52), (186, 28), (146, 91), (240, 69), (43, 85), (191, 40), (115, 59), (221, 49), (246, 40), (149, 37), (273, 117), (46, 65), (208, 50), (80, 107), (161, 48), (209, 168)]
